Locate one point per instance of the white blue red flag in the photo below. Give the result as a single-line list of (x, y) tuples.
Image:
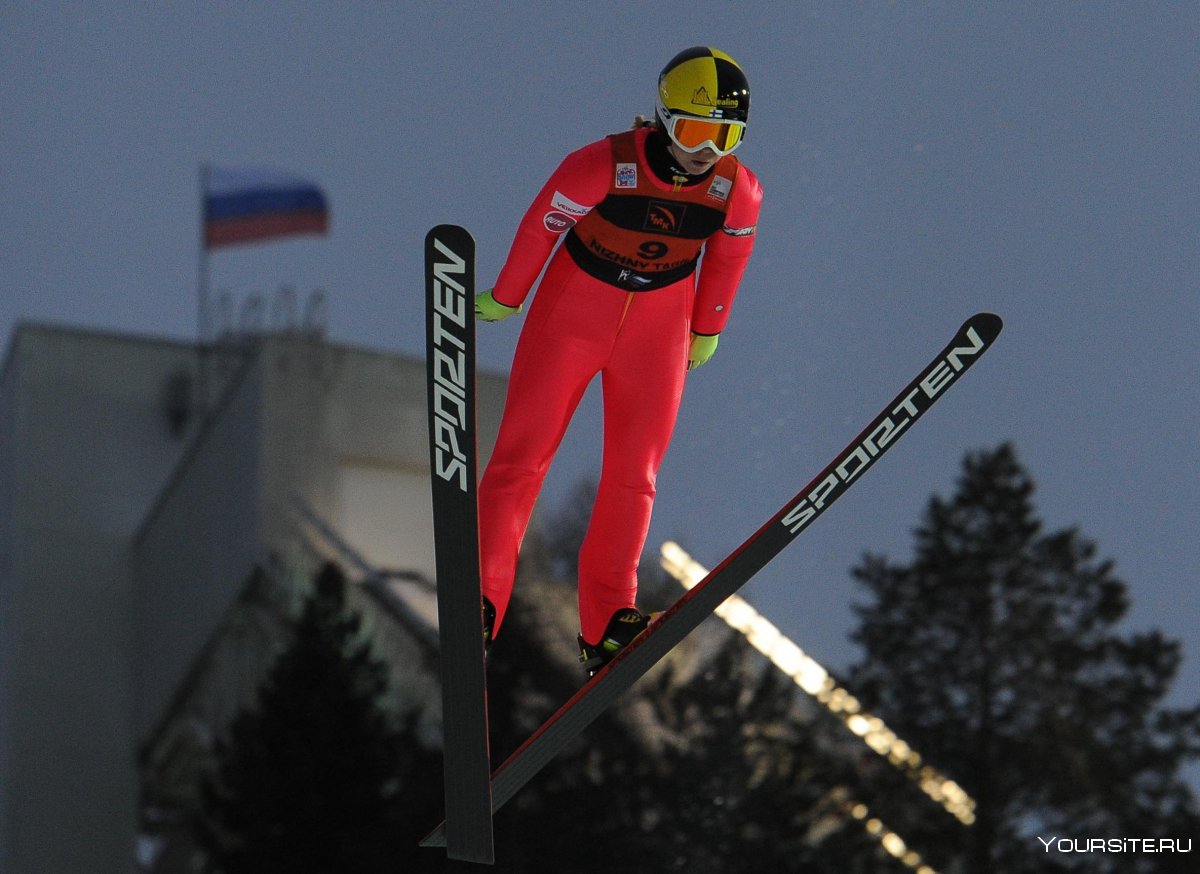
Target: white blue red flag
[(247, 205)]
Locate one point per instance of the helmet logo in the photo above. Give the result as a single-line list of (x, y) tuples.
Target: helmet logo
[(701, 97)]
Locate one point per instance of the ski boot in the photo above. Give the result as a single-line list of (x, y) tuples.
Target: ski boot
[(489, 624), (625, 625)]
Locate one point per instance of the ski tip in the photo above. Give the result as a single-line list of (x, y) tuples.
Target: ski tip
[(987, 325), (448, 232)]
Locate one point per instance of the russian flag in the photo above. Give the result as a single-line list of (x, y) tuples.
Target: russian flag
[(242, 206)]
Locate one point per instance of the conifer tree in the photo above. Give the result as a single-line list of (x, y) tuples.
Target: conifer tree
[(747, 787), (318, 778), (997, 652), (740, 785)]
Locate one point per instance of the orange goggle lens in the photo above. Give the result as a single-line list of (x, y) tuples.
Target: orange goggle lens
[(695, 133)]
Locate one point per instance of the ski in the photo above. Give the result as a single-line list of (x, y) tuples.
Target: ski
[(973, 339), (450, 361)]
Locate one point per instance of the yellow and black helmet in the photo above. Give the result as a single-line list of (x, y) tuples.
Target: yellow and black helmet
[(703, 100)]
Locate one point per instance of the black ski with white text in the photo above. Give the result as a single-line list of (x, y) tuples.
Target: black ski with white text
[(973, 339), (450, 361)]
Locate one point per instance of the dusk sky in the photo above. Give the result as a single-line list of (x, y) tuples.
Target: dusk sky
[(921, 162)]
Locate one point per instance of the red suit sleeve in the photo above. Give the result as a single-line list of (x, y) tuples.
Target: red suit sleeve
[(579, 183), (726, 254)]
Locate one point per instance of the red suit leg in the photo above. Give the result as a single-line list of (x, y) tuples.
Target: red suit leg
[(643, 384), (563, 345), (577, 327)]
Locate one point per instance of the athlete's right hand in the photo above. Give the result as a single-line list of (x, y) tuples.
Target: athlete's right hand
[(488, 309)]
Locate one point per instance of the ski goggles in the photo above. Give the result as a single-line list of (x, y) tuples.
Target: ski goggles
[(693, 134)]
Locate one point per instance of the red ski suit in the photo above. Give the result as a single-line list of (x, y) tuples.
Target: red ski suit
[(619, 298)]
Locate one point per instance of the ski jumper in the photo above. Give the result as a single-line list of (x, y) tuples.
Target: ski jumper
[(619, 298)]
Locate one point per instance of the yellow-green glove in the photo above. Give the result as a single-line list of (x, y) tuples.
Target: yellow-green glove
[(701, 349), (488, 309)]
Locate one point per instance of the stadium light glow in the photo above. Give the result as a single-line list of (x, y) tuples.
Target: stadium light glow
[(816, 682), (891, 842)]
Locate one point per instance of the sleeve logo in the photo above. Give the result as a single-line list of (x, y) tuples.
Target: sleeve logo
[(562, 203), (558, 222), (740, 232)]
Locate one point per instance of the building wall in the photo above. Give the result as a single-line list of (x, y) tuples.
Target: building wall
[(88, 448), (347, 429), (8, 421), (123, 545), (197, 545), (343, 429)]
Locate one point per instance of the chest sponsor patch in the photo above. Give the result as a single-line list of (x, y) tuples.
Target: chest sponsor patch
[(664, 217), (626, 176), (719, 188)]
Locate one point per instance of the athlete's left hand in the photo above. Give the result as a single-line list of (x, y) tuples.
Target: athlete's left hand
[(701, 349)]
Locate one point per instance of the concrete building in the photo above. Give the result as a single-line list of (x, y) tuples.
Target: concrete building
[(130, 532)]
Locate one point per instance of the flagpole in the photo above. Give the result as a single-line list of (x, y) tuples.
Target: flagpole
[(203, 305)]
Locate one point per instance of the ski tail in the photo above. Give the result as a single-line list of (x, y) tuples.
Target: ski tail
[(450, 359), (971, 341)]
